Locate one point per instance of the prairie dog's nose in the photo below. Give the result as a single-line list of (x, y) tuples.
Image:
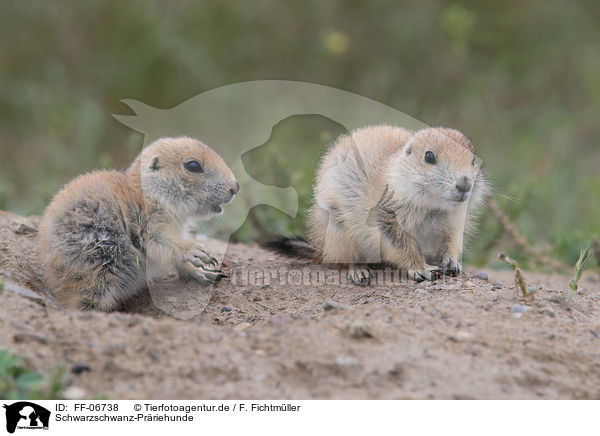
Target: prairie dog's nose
[(464, 184), (235, 189)]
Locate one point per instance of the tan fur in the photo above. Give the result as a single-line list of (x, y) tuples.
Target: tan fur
[(377, 200), (106, 233)]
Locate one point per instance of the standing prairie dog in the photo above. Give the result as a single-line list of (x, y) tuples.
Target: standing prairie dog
[(387, 194), (102, 229)]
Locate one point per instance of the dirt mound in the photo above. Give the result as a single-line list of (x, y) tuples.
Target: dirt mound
[(470, 338)]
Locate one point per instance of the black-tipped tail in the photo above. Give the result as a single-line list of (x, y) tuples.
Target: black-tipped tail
[(296, 246)]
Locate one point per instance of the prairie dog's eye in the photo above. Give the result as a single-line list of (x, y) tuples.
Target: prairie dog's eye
[(193, 166), (430, 158), (474, 162)]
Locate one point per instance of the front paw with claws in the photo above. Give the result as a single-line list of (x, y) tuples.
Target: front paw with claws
[(200, 256), (451, 267), (360, 276), (204, 274), (430, 273)]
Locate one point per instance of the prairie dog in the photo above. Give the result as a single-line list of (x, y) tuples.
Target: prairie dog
[(100, 230), (387, 194)]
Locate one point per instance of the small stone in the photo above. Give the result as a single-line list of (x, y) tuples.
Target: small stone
[(257, 299), (462, 335), (80, 368), (226, 309), (330, 305), (517, 308), (358, 331), (481, 276)]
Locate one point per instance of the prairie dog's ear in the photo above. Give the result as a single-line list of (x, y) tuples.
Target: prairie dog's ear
[(408, 149), (155, 164)]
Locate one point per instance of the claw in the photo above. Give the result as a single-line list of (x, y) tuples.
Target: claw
[(430, 274), (203, 274), (360, 277), (200, 257), (451, 268)]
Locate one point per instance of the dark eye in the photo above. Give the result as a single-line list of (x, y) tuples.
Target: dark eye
[(193, 166), (474, 162), (430, 158)]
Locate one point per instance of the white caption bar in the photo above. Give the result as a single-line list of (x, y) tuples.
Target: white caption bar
[(248, 417)]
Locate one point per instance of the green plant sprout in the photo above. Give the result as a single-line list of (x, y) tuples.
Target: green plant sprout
[(584, 256), (519, 280)]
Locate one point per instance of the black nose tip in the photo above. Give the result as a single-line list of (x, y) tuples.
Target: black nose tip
[(235, 189), (464, 184)]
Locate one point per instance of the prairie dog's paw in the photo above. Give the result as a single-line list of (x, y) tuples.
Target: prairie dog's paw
[(451, 267), (430, 273), (360, 276), (204, 274), (199, 256)]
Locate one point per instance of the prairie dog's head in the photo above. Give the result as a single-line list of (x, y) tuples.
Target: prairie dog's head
[(438, 168), (186, 177)]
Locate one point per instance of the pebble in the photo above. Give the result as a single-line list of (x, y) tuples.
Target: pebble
[(517, 308), (549, 313), (330, 305), (463, 335), (481, 276), (358, 331), (226, 309), (80, 368)]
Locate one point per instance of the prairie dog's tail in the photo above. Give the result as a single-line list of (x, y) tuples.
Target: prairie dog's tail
[(296, 246)]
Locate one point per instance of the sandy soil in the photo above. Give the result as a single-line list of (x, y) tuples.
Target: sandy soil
[(469, 338)]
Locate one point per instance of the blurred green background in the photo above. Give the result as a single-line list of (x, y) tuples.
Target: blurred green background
[(521, 78)]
